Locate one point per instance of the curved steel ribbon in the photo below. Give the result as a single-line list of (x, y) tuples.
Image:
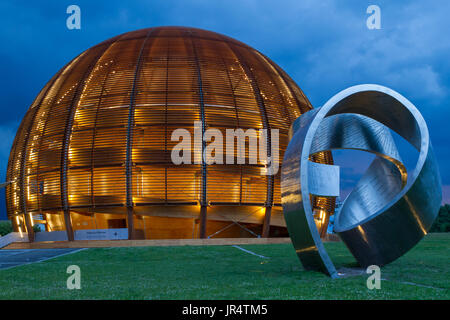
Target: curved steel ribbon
[(388, 211)]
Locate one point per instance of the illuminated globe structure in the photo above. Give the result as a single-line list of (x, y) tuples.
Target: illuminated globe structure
[(93, 152)]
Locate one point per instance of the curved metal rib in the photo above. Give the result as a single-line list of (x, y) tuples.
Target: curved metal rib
[(357, 132), (298, 213), (378, 186)]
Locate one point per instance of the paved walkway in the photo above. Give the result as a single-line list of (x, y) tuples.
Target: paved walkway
[(14, 258), (143, 243)]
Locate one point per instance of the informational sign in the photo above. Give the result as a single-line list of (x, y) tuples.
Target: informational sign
[(102, 234)]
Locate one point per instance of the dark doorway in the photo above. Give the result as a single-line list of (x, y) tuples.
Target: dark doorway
[(117, 223)]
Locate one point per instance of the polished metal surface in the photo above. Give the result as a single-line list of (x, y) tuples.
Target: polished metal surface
[(352, 131), (389, 210), (298, 213), (324, 179)]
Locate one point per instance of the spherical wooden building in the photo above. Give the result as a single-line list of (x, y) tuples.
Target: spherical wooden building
[(94, 149)]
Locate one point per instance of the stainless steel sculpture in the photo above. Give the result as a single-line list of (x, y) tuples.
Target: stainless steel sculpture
[(389, 210)]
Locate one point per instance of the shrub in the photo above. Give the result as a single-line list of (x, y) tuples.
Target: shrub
[(5, 227), (36, 228), (442, 222)]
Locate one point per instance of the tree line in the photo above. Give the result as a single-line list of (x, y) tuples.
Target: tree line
[(442, 222)]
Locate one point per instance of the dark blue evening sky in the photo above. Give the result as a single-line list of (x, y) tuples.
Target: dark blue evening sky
[(324, 45)]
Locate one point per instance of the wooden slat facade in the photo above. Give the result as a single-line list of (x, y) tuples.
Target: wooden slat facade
[(96, 142)]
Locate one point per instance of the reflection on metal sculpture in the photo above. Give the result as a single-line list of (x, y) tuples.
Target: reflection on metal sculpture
[(389, 210)]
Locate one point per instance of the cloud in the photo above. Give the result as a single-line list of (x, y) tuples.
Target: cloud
[(406, 54)]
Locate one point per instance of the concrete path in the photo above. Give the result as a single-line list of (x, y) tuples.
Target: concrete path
[(144, 243), (14, 258)]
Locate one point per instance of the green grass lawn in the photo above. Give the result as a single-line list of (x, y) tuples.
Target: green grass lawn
[(225, 272)]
